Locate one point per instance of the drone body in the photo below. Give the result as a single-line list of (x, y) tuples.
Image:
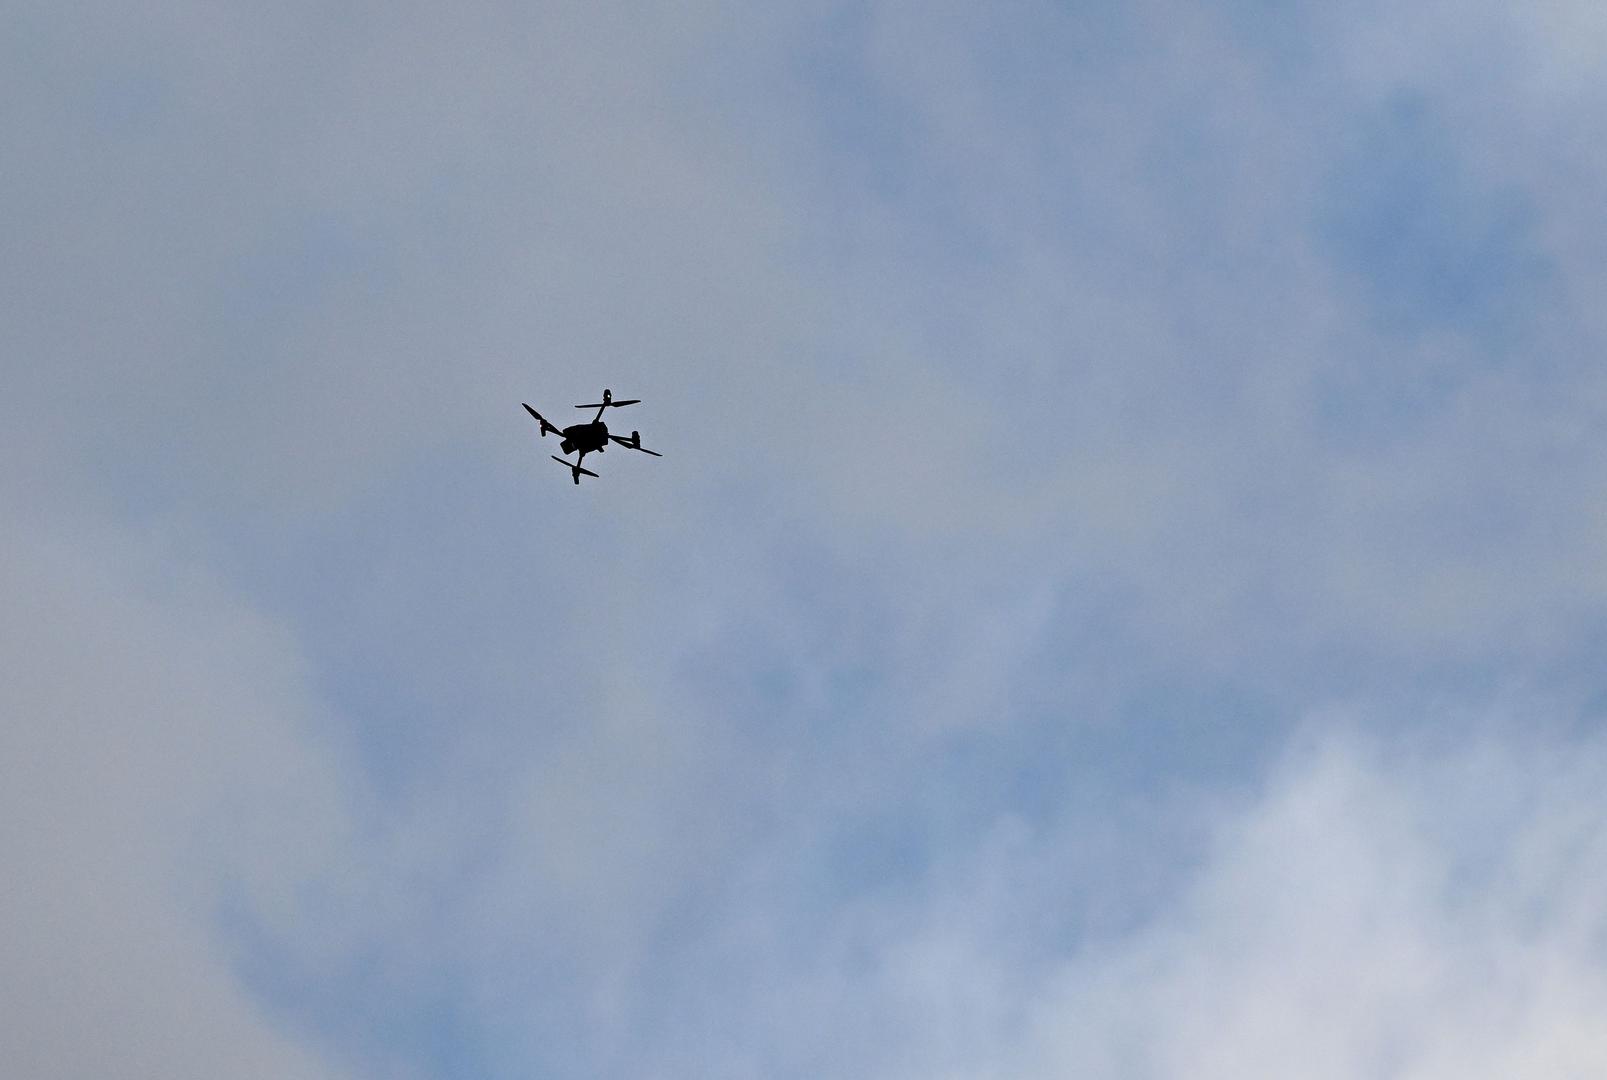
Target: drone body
[(592, 437)]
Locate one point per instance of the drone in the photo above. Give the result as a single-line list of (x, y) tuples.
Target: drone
[(590, 437)]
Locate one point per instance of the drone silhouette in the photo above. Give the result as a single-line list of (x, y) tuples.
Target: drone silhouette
[(592, 437)]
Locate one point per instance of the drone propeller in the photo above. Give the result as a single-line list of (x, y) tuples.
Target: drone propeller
[(542, 420), (634, 443), (608, 400), (576, 470)]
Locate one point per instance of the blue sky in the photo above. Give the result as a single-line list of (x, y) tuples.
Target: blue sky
[(1123, 594)]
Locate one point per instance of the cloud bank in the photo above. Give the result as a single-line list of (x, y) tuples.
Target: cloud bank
[(1122, 596)]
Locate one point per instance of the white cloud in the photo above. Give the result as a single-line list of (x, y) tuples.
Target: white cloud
[(154, 764), (1381, 907), (1075, 344), (1384, 908)]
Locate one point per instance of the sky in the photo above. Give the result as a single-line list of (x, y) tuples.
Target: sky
[(1123, 594)]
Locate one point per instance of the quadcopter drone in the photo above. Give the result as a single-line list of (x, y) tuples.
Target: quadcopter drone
[(590, 437)]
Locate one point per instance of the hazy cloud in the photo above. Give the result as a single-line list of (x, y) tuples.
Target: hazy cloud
[(1063, 409)]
